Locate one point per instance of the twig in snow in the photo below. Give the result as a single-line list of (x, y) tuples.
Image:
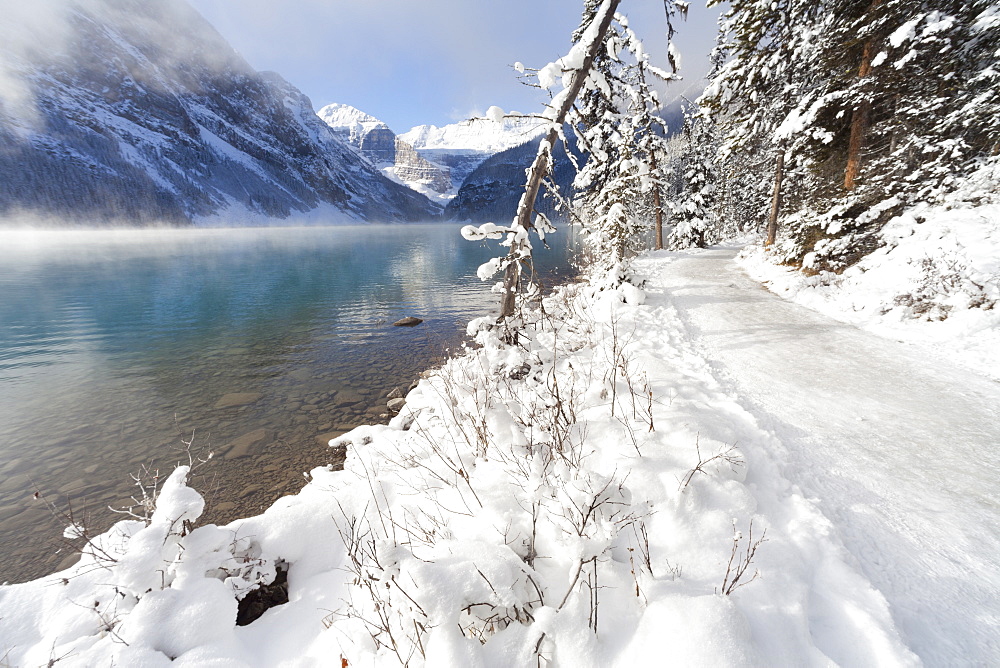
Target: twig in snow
[(725, 455), (737, 568)]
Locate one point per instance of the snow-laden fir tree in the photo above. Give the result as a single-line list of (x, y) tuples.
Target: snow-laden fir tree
[(759, 76), (622, 185), (931, 85), (837, 114), (695, 207), (903, 105)]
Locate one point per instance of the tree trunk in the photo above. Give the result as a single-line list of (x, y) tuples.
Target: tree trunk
[(772, 219), (859, 129), (512, 274), (894, 136), (657, 203), (657, 206), (861, 117)]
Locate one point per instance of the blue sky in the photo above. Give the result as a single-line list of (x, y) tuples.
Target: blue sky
[(433, 61)]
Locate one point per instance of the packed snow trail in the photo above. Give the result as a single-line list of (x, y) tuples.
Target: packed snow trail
[(899, 449)]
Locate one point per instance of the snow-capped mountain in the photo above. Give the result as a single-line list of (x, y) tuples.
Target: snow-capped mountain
[(344, 117), (435, 161), (464, 146), (395, 158), (140, 112), (476, 134)]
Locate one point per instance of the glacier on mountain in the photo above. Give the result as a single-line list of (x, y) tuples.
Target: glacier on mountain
[(465, 145), (476, 134), (396, 159)]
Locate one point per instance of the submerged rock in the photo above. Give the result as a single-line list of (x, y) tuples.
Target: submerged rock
[(242, 446), (348, 403), (324, 439), (408, 321), (237, 399)]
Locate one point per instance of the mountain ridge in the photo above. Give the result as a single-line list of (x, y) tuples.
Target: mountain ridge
[(434, 160), (144, 114)]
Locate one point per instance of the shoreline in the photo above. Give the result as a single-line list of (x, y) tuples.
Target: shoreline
[(598, 463), (263, 458), (120, 353), (271, 462)]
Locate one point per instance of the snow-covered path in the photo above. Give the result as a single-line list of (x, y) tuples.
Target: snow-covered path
[(900, 450)]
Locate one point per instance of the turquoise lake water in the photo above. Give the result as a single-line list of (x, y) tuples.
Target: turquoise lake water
[(117, 347)]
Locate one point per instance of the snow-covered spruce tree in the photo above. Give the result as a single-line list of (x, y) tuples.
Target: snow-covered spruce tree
[(978, 119), (870, 105), (761, 73), (651, 141), (694, 207), (903, 72), (904, 105), (609, 107), (622, 184), (934, 96)]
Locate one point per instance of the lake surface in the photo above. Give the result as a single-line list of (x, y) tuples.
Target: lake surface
[(257, 345)]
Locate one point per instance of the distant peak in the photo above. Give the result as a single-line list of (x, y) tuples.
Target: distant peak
[(344, 116), (477, 134)]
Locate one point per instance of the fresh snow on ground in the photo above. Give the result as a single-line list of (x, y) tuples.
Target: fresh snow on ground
[(599, 475), (897, 446), (935, 280)]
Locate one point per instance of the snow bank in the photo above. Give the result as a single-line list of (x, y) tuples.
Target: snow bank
[(590, 495), (935, 281)]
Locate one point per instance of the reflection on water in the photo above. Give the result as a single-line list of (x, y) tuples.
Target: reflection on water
[(115, 347)]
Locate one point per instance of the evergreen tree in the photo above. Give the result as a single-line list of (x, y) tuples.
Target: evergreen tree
[(902, 107), (832, 115), (623, 182), (695, 206), (760, 74)]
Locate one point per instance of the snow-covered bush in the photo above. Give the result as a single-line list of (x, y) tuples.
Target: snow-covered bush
[(497, 451)]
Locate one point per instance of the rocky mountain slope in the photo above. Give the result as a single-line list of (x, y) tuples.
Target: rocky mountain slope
[(493, 189), (394, 157), (140, 112)]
